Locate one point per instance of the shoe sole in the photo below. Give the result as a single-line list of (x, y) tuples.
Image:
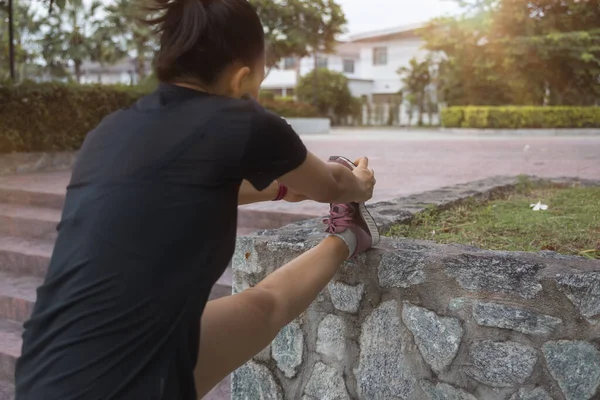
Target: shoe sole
[(364, 213)]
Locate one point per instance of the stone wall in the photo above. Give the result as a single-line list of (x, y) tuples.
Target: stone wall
[(419, 320)]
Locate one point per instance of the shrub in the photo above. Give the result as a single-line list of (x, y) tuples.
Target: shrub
[(56, 117), (53, 117), (516, 117)]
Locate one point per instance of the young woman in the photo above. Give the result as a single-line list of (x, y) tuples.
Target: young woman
[(149, 225)]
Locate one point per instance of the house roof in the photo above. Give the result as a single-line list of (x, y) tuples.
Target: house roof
[(404, 30)]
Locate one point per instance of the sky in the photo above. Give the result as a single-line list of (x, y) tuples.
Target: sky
[(368, 15)]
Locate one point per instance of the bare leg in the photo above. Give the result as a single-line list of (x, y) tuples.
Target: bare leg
[(236, 328)]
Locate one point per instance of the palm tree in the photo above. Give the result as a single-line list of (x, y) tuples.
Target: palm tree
[(417, 78), (126, 17), (27, 31), (70, 35), (105, 47)]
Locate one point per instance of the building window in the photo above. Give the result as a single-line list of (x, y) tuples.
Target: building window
[(380, 56), (321, 62), (290, 63), (349, 66)]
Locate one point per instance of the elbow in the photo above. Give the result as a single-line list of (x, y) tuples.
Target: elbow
[(265, 308)]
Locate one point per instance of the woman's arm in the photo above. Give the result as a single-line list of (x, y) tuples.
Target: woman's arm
[(331, 182), (248, 194)]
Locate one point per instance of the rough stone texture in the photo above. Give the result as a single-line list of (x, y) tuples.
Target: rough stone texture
[(499, 272), (326, 383), (443, 391), (517, 319), (389, 354), (345, 297), (255, 381), (331, 337), (531, 394), (438, 338), (401, 269), (583, 290), (383, 371), (501, 364), (575, 365), (287, 349)]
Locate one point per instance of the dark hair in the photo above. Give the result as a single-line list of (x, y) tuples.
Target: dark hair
[(200, 38)]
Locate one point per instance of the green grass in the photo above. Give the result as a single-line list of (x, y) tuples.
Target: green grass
[(571, 225)]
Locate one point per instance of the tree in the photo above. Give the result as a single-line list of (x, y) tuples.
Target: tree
[(298, 28), (333, 95), (70, 36), (417, 79), (519, 52), (126, 19), (27, 31)]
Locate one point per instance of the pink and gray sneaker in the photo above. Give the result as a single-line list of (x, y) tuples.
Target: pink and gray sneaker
[(352, 222)]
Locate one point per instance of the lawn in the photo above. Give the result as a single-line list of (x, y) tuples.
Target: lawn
[(570, 225)]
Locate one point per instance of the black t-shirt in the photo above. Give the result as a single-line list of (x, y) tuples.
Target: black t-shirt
[(148, 226)]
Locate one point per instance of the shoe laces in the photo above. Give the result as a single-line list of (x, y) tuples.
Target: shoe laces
[(341, 217)]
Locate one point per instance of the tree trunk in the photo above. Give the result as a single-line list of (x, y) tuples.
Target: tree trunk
[(141, 64), (78, 70), (315, 81)]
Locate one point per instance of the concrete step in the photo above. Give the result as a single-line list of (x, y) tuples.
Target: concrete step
[(7, 391), (17, 296), (11, 195), (29, 221), (25, 256), (10, 348)]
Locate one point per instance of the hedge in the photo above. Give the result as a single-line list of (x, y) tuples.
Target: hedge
[(56, 117), (516, 117)]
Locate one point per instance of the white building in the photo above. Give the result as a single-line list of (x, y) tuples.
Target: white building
[(369, 60)]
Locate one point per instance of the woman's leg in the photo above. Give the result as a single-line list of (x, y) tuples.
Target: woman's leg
[(236, 328)]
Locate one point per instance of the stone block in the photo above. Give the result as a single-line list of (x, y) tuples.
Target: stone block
[(501, 364), (444, 391), (583, 290), (515, 318), (326, 383), (287, 349), (383, 371), (575, 365), (331, 337), (438, 338), (255, 381), (531, 394), (345, 297), (495, 273), (401, 269)]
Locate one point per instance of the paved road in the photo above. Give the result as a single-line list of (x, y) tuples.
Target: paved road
[(412, 161)]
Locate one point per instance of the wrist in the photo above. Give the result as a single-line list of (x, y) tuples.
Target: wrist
[(281, 192)]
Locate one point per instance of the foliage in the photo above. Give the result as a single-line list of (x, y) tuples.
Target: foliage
[(333, 96), (417, 78), (72, 36), (27, 26), (297, 28), (59, 116), (126, 20), (570, 225), (515, 117), (499, 52)]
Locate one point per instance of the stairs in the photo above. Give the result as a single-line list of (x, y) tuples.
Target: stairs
[(30, 209)]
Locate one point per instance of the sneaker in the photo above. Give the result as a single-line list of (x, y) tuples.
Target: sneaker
[(352, 222)]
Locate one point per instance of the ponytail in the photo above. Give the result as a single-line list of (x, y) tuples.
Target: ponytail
[(200, 38)]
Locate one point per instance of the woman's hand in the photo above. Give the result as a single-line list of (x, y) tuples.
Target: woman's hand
[(366, 178)]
